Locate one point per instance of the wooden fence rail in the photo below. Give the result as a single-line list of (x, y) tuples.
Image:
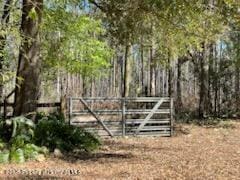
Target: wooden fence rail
[(39, 105), (6, 104)]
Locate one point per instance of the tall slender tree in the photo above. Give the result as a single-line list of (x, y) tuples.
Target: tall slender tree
[(203, 77)]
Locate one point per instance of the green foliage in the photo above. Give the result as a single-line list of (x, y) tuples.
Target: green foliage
[(22, 127), (6, 76), (4, 156), (2, 144), (31, 151), (173, 27), (54, 116), (9, 42), (72, 41), (32, 14), (17, 156), (53, 134), (23, 140), (17, 138)]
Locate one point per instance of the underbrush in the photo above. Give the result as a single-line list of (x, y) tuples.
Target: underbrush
[(56, 133), (22, 140), (16, 143), (209, 122)]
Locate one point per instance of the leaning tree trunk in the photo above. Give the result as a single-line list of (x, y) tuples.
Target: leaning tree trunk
[(4, 22), (29, 64)]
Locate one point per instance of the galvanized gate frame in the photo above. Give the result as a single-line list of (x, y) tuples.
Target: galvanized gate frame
[(92, 113), (155, 108), (123, 114)]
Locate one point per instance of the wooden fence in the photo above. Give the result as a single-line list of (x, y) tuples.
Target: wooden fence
[(7, 108), (123, 116)]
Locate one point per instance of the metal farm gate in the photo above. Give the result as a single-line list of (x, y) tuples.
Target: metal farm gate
[(123, 116)]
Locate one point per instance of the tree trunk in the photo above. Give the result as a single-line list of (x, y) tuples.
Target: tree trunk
[(179, 87), (210, 74), (215, 82), (114, 77), (152, 73), (237, 89), (203, 85), (127, 73), (142, 69), (29, 64), (237, 78), (4, 22), (63, 94), (170, 89), (219, 81), (84, 86)]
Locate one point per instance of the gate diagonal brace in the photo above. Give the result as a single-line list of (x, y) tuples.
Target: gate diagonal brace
[(155, 108), (96, 117)]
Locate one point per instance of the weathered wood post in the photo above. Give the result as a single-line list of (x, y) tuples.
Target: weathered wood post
[(5, 108), (63, 106), (69, 110)]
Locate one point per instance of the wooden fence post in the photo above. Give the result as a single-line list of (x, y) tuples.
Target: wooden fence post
[(69, 110), (63, 106), (5, 109)]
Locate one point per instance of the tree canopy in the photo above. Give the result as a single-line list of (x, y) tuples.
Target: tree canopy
[(84, 36)]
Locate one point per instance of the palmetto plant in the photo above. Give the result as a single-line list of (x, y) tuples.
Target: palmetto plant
[(24, 140), (54, 133), (20, 146)]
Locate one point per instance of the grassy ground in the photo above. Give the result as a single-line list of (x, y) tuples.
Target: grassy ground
[(193, 153)]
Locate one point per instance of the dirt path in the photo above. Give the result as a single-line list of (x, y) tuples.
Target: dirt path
[(199, 153)]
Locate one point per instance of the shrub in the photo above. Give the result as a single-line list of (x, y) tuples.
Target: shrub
[(56, 116), (23, 140), (16, 143), (4, 156), (54, 133), (5, 131)]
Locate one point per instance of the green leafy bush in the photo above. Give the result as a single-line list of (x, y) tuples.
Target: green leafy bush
[(4, 156), (31, 151), (53, 133), (56, 116), (16, 144), (17, 156), (22, 140)]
